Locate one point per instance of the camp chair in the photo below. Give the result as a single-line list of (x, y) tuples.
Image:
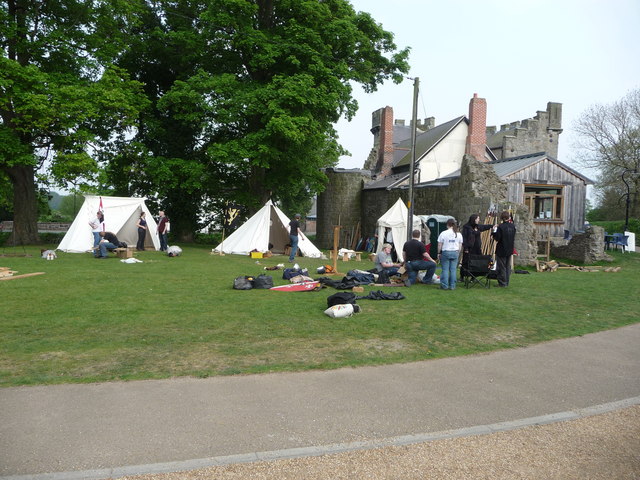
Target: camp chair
[(478, 271), (621, 240)]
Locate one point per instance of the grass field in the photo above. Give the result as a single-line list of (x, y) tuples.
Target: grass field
[(88, 320)]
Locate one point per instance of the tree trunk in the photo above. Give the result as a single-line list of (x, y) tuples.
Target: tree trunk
[(25, 205), (256, 183)]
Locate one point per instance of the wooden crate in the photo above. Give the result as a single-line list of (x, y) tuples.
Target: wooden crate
[(124, 252)]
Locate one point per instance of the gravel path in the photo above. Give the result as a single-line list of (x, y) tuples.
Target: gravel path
[(605, 446)]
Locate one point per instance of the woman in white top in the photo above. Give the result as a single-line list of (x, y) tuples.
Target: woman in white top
[(97, 226), (449, 247)]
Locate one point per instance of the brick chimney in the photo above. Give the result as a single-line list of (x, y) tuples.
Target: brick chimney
[(477, 136), (385, 145)]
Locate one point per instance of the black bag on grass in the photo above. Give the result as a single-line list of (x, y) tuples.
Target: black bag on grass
[(263, 281), (341, 298), (243, 283)]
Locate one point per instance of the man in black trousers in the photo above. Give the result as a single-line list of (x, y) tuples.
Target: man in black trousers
[(504, 235)]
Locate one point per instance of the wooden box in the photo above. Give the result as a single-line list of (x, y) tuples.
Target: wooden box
[(124, 252)]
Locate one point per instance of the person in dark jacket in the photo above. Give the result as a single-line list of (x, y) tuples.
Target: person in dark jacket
[(471, 241), (163, 230), (504, 235), (108, 241), (417, 258)]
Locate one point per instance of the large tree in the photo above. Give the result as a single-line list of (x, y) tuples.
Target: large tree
[(61, 97), (609, 141), (244, 96)]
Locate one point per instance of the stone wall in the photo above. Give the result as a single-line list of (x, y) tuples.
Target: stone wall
[(43, 227), (587, 247), (340, 203), (538, 134)]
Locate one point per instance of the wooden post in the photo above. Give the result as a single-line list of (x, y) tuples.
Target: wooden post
[(336, 239)]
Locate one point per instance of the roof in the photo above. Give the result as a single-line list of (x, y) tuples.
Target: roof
[(401, 133), (509, 166), (389, 181), (428, 140)]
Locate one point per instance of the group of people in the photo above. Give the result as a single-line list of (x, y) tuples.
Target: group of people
[(103, 241), (452, 243)]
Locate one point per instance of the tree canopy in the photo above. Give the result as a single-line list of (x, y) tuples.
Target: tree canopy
[(244, 95), (61, 98), (609, 141), (189, 102)]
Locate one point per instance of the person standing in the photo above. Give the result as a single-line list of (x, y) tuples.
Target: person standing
[(504, 235), (471, 240), (294, 232), (449, 247), (142, 231), (163, 224), (97, 226), (417, 258)]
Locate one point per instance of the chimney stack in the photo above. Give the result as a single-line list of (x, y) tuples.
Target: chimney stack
[(385, 147), (477, 136)]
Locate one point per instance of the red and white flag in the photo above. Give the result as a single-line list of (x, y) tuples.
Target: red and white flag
[(101, 209)]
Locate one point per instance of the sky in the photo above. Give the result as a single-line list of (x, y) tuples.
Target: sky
[(517, 54)]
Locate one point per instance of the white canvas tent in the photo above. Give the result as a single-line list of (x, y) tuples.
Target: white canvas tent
[(268, 225), (120, 217), (396, 219)]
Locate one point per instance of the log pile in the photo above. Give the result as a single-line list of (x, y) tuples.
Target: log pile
[(552, 266)]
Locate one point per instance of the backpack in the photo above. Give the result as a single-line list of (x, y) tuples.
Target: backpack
[(243, 283), (341, 298), (383, 277), (263, 281)]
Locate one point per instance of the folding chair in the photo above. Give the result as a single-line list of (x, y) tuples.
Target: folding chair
[(478, 271)]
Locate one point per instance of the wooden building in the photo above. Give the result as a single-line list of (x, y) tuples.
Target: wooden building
[(555, 193)]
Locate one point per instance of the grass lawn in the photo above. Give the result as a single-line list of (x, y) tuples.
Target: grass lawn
[(88, 320)]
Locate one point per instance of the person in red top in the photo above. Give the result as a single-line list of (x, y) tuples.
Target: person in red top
[(163, 224)]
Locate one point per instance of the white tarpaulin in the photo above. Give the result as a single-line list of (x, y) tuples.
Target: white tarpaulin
[(120, 217), (268, 226)]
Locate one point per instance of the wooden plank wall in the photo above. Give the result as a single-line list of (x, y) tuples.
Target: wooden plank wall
[(574, 193)]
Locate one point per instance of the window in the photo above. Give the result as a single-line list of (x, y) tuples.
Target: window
[(544, 201)]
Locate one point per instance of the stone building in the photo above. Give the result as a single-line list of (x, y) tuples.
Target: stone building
[(460, 169)]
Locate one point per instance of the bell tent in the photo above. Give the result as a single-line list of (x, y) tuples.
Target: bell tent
[(394, 221), (268, 226), (120, 217)]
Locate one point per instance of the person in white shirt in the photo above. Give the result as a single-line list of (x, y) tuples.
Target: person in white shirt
[(97, 226), (449, 248)]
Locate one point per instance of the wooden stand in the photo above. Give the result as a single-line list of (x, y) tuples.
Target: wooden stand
[(336, 239)]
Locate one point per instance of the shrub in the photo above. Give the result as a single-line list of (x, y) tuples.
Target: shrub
[(208, 238)]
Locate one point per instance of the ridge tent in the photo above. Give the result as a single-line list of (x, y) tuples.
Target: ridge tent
[(395, 219), (268, 225), (120, 217)]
